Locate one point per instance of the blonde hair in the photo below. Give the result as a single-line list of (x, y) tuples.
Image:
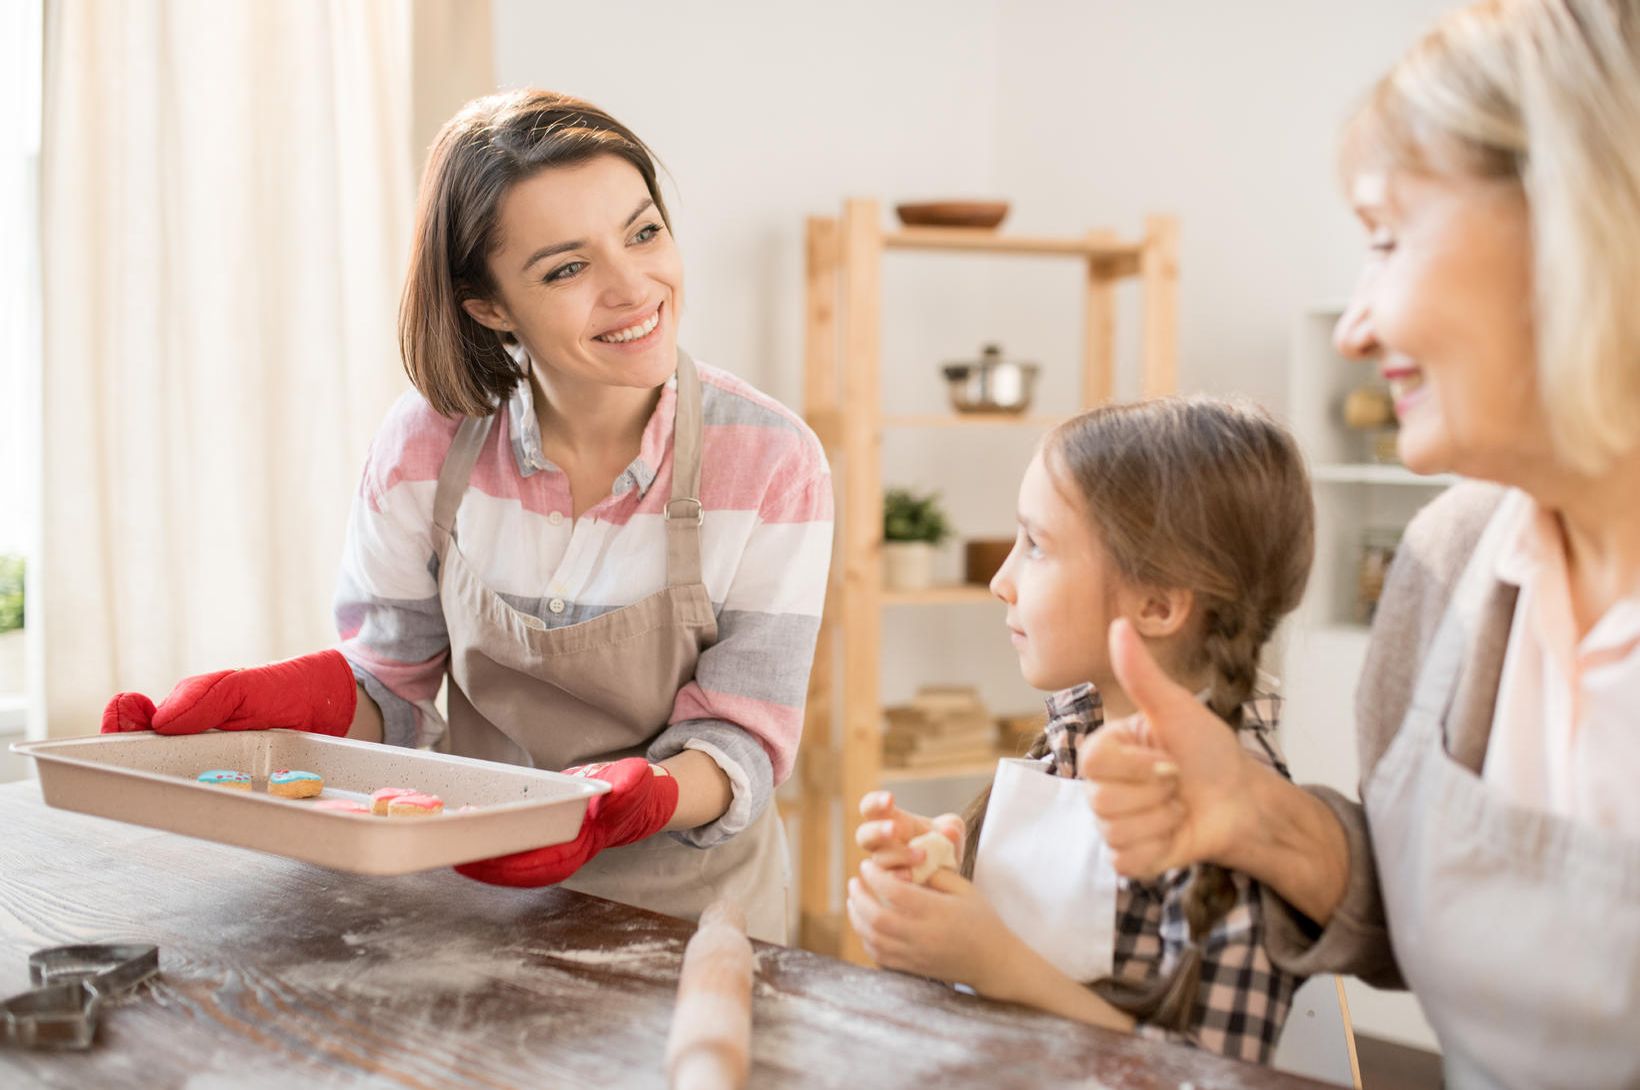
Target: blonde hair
[(1209, 496), (1544, 94)]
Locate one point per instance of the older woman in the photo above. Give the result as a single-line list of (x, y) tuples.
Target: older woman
[(617, 557), (1493, 864)]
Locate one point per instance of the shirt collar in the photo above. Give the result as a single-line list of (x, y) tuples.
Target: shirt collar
[(525, 432), (1534, 556), (1531, 538)]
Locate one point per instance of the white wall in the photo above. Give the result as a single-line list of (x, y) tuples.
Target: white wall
[(1226, 115), (764, 113)]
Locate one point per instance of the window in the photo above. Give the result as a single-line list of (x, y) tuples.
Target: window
[(20, 83)]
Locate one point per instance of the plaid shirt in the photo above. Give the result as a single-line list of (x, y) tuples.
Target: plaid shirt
[(1243, 999)]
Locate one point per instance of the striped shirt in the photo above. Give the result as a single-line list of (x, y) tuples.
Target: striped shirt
[(1242, 1001), (765, 551)]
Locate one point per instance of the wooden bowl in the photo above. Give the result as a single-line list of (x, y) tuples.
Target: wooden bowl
[(981, 214)]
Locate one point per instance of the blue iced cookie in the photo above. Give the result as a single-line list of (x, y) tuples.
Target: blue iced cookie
[(223, 777), (292, 783)]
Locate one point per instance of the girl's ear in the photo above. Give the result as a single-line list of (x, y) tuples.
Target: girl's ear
[(488, 314), (1158, 613)]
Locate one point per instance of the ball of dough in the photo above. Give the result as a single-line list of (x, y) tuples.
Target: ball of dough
[(938, 854)]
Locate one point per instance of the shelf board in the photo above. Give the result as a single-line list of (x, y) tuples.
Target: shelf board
[(951, 594), (980, 240), (944, 772), (973, 420), (1371, 473)]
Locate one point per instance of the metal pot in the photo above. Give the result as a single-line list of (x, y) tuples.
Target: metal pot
[(991, 384)]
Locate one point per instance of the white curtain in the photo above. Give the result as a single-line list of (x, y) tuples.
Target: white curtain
[(226, 198)]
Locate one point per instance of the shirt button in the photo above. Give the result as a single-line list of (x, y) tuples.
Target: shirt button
[(556, 605), (556, 518)]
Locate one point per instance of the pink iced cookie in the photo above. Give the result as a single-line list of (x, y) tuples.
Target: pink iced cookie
[(345, 806), (415, 805), (382, 796)]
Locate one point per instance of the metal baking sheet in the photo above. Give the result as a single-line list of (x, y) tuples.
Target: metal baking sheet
[(149, 779)]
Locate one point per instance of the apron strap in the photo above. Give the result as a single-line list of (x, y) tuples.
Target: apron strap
[(453, 477), (684, 513), (1438, 680)]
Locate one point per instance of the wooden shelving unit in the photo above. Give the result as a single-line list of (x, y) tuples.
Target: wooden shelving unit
[(841, 368)]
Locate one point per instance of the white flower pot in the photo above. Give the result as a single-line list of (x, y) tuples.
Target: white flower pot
[(908, 565)]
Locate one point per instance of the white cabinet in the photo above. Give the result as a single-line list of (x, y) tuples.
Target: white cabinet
[(1357, 501)]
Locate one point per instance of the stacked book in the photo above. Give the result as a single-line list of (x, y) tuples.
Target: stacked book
[(1016, 733), (943, 725)]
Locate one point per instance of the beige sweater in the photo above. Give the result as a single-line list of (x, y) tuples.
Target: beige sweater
[(1431, 557)]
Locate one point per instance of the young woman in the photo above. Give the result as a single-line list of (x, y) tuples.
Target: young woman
[(616, 556)]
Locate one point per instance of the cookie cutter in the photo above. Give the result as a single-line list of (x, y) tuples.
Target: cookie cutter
[(70, 985)]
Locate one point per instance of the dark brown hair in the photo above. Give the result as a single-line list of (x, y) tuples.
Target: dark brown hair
[(460, 366), (1195, 494)]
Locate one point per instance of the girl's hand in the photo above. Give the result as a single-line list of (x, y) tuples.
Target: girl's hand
[(944, 930), (887, 832), (1171, 785)]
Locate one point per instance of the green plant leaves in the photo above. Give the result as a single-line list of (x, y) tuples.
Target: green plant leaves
[(11, 592), (908, 516)]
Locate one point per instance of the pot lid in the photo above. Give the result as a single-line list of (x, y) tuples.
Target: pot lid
[(990, 355)]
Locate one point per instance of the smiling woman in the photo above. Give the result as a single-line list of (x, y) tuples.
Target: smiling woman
[(1495, 171), (542, 221), (616, 557)]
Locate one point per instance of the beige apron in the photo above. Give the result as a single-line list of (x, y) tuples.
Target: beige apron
[(526, 694), (1518, 930)]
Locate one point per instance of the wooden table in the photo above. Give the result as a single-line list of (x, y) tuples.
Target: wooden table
[(281, 974)]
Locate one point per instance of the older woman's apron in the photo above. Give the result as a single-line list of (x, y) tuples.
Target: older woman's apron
[(526, 694), (1518, 930)]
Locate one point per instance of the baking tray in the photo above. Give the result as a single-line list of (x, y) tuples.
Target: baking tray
[(148, 779)]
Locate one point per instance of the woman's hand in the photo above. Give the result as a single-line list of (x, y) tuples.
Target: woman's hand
[(641, 799), (945, 930), (887, 831), (314, 693), (1171, 785)]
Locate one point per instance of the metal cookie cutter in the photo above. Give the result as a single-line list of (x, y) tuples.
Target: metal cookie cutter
[(70, 984)]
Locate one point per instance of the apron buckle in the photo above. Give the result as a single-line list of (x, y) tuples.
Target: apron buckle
[(699, 514)]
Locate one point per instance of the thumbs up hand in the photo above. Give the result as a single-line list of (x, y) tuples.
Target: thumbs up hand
[(1171, 785)]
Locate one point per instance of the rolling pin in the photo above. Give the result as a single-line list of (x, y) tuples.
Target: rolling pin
[(709, 1047)]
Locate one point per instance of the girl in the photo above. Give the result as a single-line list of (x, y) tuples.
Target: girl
[(1189, 520)]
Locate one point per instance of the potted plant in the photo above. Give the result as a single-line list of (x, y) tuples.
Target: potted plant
[(912, 526), (11, 624)]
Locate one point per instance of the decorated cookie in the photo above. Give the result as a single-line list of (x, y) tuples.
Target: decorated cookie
[(224, 777), (415, 805), (382, 796), (344, 806), (291, 783)]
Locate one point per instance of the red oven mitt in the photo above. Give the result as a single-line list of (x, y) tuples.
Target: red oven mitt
[(314, 693), (642, 800)]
